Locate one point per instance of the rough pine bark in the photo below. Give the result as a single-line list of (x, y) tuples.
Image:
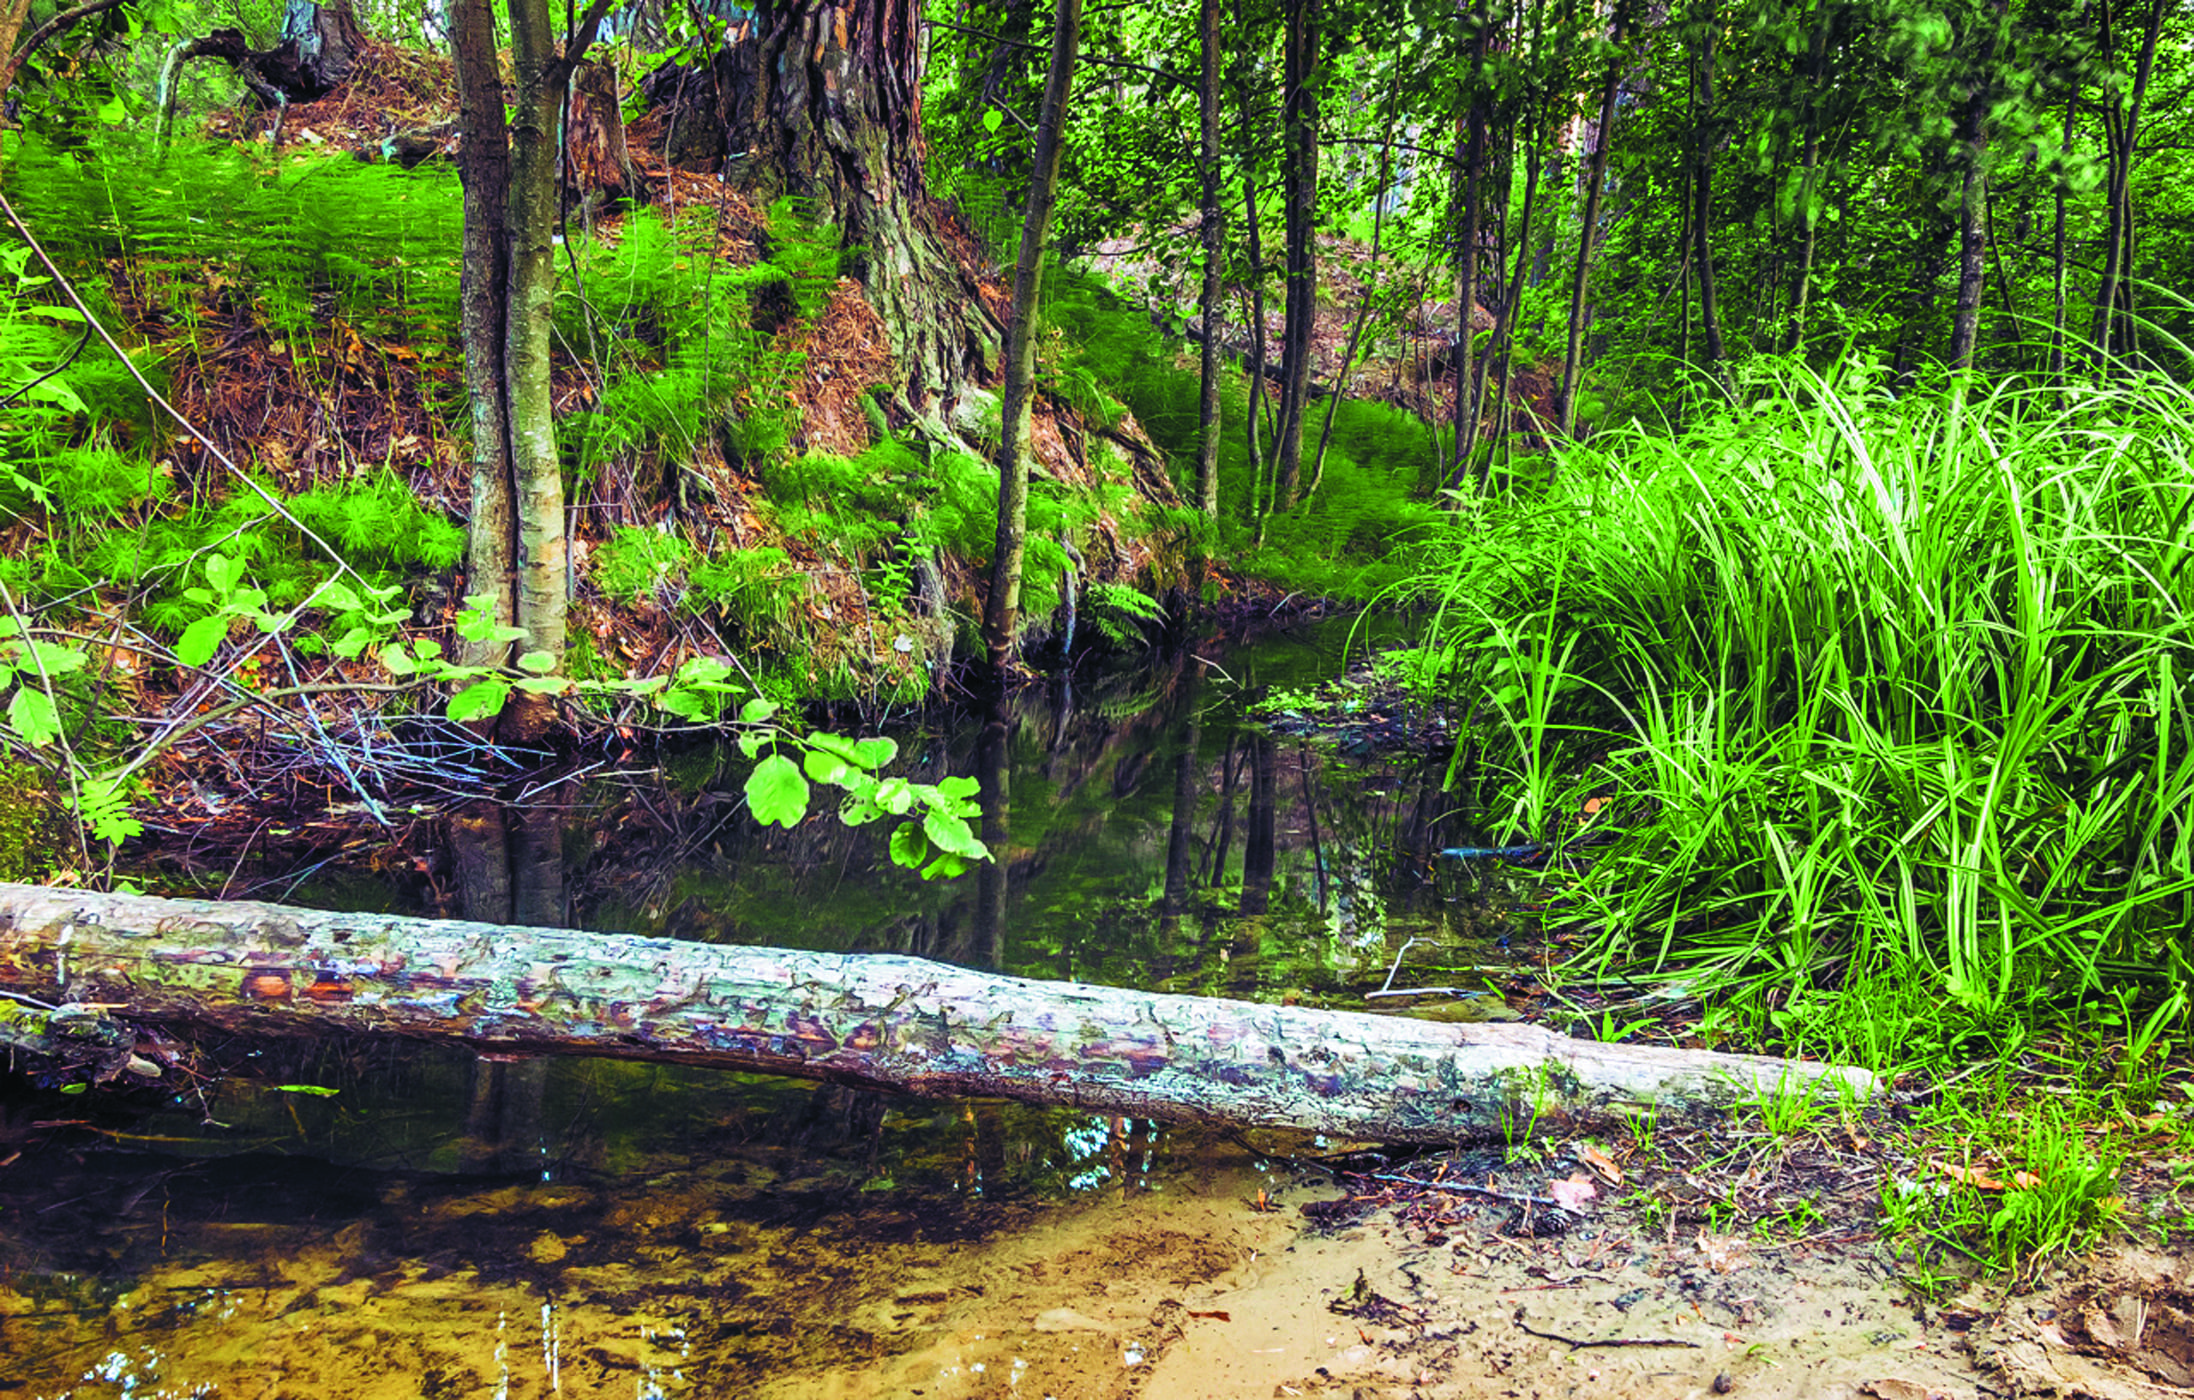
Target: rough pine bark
[(824, 102)]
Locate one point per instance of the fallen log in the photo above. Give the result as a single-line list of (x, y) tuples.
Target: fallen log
[(871, 1020)]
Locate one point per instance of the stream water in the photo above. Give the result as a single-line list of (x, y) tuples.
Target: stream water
[(368, 1219)]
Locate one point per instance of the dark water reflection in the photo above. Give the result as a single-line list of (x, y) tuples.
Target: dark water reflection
[(1149, 835)]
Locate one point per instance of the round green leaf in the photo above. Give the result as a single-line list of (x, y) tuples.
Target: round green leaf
[(776, 792)]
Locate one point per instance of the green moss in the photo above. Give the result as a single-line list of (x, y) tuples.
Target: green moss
[(31, 831)]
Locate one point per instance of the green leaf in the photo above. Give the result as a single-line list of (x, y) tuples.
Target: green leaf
[(757, 710), (352, 643), (992, 120), (53, 659), (545, 685), (832, 744), (702, 670), (753, 742), (776, 792), (395, 659), (335, 595), (958, 785), (477, 623), (316, 1090), (824, 766), (223, 572), (32, 715), (873, 754), (949, 833), (480, 700), (538, 662), (201, 639), (858, 810), (895, 795), (945, 867), (909, 847), (689, 705)]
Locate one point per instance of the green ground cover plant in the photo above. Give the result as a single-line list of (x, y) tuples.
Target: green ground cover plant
[(1875, 688)]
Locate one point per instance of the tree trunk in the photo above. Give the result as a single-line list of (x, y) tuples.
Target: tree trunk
[(12, 13), (1466, 283), (320, 46), (2057, 256), (1965, 321), (483, 163), (825, 101), (1299, 171), (530, 220), (1253, 232), (1704, 137), (2122, 123), (1504, 329), (597, 162), (879, 1021), (1816, 71), (1214, 237), (508, 299), (1001, 609), (1260, 843), (1588, 235)]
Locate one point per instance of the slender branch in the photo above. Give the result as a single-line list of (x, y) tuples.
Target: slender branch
[(1089, 60), (1444, 157), (169, 738), (582, 36), (159, 400), (10, 64)]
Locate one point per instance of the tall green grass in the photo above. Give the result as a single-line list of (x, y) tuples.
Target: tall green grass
[(1873, 688)]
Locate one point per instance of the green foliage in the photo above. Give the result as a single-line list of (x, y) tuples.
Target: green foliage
[(637, 563), (1873, 683), (1123, 615), (688, 349), (1338, 542), (303, 241)]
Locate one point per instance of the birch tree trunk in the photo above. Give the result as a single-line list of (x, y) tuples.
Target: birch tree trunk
[(875, 1021)]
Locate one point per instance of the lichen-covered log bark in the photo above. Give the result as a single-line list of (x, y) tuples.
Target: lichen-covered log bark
[(875, 1021)]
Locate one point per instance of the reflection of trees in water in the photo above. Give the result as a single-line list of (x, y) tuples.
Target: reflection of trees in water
[(1132, 818), (509, 868)]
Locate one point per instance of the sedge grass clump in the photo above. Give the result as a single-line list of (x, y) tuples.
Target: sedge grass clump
[(1873, 682)]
